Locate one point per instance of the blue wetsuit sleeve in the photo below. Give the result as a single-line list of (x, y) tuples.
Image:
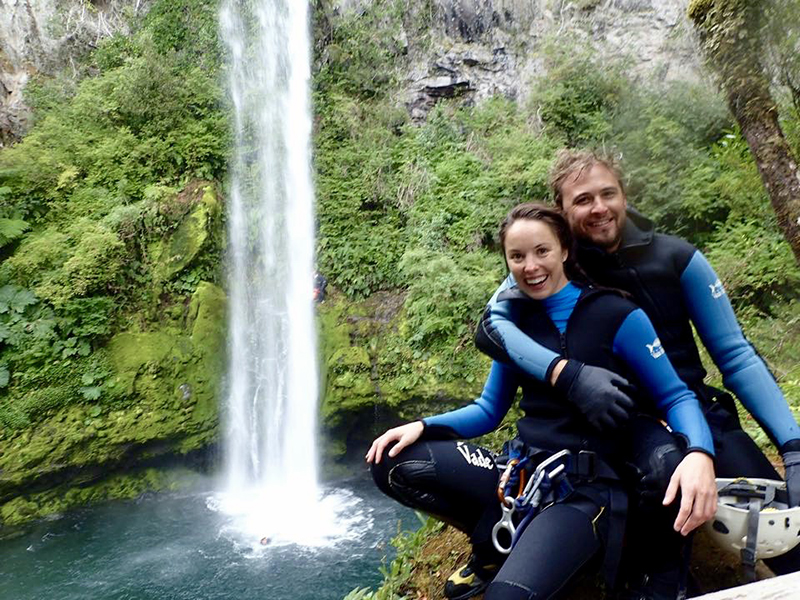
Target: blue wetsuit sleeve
[(483, 415), (636, 342), (499, 337), (743, 370)]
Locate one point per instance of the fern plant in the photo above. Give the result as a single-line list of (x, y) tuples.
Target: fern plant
[(11, 229)]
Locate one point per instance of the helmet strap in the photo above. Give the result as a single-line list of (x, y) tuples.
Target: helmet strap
[(748, 553)]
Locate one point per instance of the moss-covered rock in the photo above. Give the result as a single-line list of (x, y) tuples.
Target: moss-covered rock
[(372, 378), (68, 496), (165, 403), (74, 428), (131, 353), (170, 379), (183, 247)]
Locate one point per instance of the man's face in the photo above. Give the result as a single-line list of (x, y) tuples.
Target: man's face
[(594, 204)]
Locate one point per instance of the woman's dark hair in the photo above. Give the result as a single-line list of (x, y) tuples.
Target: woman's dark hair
[(557, 223)]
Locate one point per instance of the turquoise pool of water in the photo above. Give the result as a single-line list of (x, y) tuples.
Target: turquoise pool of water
[(177, 546)]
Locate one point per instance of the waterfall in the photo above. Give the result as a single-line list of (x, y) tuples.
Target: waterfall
[(272, 389)]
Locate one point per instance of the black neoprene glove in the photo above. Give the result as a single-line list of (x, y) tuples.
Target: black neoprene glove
[(601, 395), (791, 461)]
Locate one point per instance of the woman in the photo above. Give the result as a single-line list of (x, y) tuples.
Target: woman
[(458, 482)]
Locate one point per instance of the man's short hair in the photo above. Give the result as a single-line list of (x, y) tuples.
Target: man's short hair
[(571, 162)]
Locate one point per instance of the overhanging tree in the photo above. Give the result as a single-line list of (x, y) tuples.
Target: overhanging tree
[(729, 35)]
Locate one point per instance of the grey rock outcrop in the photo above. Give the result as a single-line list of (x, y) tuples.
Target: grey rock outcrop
[(473, 49), (44, 36), (481, 48)]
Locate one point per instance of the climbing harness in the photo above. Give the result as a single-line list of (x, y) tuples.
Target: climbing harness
[(754, 520), (552, 481), (548, 484)]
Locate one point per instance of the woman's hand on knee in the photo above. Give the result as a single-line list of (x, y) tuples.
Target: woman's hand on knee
[(405, 435), (694, 477)]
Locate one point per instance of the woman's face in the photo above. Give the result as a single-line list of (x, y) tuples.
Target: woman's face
[(535, 258)]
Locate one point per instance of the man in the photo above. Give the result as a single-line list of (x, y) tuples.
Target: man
[(675, 285)]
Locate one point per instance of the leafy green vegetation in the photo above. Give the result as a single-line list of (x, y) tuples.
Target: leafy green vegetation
[(94, 186), (400, 570), (111, 228)]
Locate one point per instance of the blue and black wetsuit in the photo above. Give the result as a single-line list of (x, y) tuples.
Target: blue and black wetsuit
[(457, 481), (599, 328), (675, 285)]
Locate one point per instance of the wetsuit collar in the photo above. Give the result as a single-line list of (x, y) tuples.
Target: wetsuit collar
[(638, 230), (514, 293)]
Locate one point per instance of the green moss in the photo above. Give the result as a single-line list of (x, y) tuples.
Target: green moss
[(132, 352), (65, 497), (349, 359), (207, 318), (39, 253), (372, 375), (168, 380), (207, 310), (192, 235), (95, 439), (347, 382)]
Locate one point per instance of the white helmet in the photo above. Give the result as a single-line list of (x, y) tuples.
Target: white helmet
[(754, 520)]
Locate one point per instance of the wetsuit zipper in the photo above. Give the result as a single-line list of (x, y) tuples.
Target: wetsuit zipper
[(562, 339), (641, 287)]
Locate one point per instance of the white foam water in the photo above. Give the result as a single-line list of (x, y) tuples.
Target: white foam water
[(263, 521)]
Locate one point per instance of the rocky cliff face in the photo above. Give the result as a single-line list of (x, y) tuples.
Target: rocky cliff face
[(475, 48), (479, 48), (44, 36)]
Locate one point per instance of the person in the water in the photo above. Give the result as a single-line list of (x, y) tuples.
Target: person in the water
[(421, 466)]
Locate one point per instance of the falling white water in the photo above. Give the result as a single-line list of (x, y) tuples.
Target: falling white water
[(271, 408)]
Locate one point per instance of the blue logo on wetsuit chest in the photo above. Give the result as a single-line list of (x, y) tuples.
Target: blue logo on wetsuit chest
[(476, 458), (656, 349)]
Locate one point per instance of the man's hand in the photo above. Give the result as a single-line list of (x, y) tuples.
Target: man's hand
[(791, 461), (694, 477), (405, 435), (600, 394)]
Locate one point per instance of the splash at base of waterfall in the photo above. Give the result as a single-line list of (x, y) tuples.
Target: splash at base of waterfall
[(262, 517)]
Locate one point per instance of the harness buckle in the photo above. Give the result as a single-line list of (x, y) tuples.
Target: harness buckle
[(748, 556), (586, 465)]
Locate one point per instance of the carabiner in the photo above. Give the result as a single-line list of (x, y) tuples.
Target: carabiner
[(531, 493), (501, 486)]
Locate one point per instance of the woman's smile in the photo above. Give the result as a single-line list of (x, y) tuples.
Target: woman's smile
[(535, 258)]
